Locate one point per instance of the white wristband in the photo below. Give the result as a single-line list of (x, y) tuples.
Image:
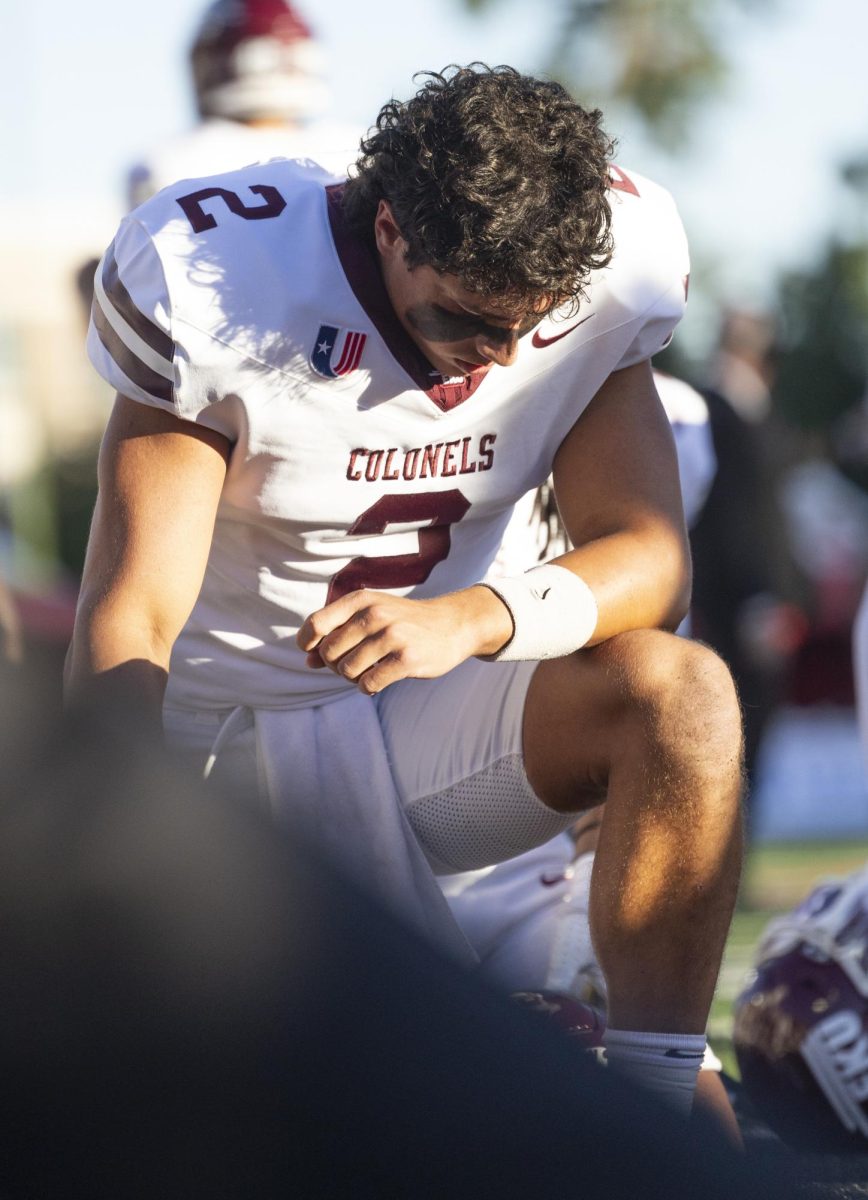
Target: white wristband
[(553, 613)]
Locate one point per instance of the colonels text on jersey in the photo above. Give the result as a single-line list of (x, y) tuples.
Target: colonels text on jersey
[(352, 464)]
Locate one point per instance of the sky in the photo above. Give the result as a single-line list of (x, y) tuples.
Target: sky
[(90, 86)]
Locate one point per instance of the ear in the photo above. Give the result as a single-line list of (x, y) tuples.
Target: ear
[(386, 232)]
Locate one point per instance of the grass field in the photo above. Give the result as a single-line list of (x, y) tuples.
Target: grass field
[(776, 877)]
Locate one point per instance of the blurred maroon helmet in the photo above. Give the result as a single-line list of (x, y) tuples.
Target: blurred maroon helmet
[(254, 60), (801, 1026), (578, 1020)]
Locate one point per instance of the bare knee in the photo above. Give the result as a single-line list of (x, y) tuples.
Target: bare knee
[(644, 702), (674, 695)]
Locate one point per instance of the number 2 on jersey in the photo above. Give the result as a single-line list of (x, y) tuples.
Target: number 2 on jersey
[(201, 220), (440, 509)]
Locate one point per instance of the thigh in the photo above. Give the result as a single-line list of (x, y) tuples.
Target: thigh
[(455, 749), (440, 731)]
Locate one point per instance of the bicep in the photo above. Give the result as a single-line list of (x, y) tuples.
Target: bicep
[(160, 481), (617, 470)]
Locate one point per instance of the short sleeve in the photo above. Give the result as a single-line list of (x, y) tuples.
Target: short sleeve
[(657, 326), (135, 345), (130, 340), (656, 244)]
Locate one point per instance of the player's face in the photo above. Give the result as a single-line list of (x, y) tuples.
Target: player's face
[(457, 330)]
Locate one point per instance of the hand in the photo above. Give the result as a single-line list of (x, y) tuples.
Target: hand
[(374, 638)]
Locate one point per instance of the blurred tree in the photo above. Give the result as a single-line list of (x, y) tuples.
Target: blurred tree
[(657, 60), (824, 320), (824, 342)]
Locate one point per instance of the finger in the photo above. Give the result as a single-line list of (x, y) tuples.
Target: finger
[(322, 622), (366, 623), (388, 670), (313, 660), (364, 656)]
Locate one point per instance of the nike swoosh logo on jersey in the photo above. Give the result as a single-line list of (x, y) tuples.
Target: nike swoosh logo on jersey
[(539, 341), (552, 880)]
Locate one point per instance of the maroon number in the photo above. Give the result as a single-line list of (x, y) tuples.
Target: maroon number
[(201, 220), (438, 509)]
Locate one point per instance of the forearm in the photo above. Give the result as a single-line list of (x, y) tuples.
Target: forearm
[(640, 579), (117, 664)]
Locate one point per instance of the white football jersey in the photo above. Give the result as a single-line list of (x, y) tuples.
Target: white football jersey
[(242, 302), (219, 145)]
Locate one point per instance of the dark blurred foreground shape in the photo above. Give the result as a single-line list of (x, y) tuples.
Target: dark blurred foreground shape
[(195, 1006)]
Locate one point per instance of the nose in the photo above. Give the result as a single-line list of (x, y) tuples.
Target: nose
[(501, 350)]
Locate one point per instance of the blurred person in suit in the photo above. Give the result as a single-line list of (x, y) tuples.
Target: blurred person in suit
[(743, 573)]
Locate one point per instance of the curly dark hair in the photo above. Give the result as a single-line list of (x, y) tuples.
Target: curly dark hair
[(492, 176)]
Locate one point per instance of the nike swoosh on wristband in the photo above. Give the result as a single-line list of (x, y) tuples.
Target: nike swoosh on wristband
[(539, 341)]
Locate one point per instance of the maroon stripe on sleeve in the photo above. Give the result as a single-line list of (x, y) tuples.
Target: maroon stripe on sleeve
[(132, 366), (150, 333)]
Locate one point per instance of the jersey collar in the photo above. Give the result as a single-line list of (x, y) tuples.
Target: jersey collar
[(362, 269)]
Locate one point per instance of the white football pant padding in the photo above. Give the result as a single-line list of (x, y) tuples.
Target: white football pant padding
[(488, 817), (527, 919), (573, 968)]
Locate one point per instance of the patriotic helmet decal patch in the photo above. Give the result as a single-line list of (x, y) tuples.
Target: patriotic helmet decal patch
[(337, 351)]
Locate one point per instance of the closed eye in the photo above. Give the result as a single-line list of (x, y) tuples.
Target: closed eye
[(439, 324)]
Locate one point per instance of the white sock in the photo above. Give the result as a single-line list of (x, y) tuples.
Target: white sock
[(666, 1064)]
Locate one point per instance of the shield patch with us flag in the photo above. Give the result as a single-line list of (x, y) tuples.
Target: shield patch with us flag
[(337, 351)]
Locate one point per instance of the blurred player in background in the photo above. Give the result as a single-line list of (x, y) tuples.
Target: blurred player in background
[(259, 89), (330, 398), (801, 1025), (260, 93)]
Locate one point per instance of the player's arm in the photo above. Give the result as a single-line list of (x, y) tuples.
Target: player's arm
[(160, 480), (616, 484)]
